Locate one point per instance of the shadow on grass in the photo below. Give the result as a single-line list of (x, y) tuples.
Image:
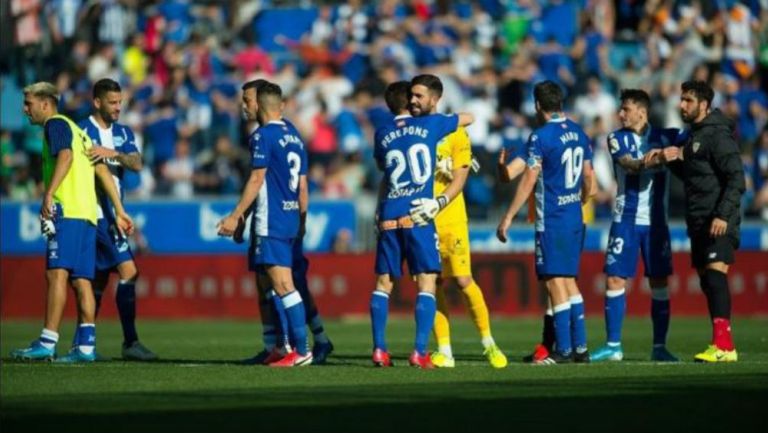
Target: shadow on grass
[(670, 404)]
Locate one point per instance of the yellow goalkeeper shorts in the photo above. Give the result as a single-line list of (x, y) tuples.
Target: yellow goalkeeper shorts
[(454, 250)]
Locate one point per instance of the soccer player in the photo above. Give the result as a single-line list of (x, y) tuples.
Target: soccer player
[(68, 219), (454, 157), (639, 223), (278, 179), (713, 176), (405, 150), (115, 145), (273, 319), (560, 167)]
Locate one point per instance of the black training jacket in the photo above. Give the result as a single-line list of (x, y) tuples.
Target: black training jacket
[(712, 173)]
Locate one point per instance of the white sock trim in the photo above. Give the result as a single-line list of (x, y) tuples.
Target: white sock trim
[(549, 312), (614, 293), (381, 293), (576, 299), (431, 295), (561, 307), (269, 294), (660, 294), (51, 335), (291, 299), (86, 325)]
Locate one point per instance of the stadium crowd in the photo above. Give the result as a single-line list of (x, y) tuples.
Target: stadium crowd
[(181, 64)]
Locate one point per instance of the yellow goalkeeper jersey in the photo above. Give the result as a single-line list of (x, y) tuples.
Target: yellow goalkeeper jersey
[(456, 146)]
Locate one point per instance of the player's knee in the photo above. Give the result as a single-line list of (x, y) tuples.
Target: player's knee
[(714, 280), (384, 284), (464, 282), (128, 272)]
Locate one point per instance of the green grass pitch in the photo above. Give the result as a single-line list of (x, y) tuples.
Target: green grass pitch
[(198, 385)]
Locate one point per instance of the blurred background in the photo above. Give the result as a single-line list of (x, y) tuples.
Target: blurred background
[(181, 64)]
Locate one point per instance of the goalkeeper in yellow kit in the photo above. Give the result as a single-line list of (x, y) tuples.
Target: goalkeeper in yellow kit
[(454, 156)]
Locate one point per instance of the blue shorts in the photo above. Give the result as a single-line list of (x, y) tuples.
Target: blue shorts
[(111, 247), (418, 246), (73, 248), (267, 251), (624, 242), (558, 252)]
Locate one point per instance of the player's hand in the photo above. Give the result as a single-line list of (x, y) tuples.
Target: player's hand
[(718, 227), (474, 165), (670, 153), (445, 168), (502, 161), (238, 235), (47, 228), (100, 153), (124, 223), (47, 208), (424, 210), (652, 158), (227, 225), (501, 230)]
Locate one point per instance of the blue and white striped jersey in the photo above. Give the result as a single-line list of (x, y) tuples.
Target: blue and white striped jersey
[(559, 148), (641, 198), (120, 138), (278, 147)]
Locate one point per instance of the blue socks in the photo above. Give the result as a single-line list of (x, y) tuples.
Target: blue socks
[(615, 306), (279, 318), (86, 338), (294, 311), (578, 328), (562, 319), (426, 306), (126, 307), (379, 313), (660, 315)]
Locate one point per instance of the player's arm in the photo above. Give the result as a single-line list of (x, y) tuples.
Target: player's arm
[(588, 182), (131, 161), (104, 176), (728, 166), (524, 189), (466, 119), (508, 172), (250, 192), (303, 204)]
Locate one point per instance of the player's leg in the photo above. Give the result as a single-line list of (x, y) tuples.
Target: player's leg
[(82, 273), (561, 308), (442, 330), (423, 257), (125, 296), (282, 281), (322, 346), (657, 258), (478, 310), (387, 268), (578, 325), (44, 347), (715, 255), (541, 350), (620, 264)]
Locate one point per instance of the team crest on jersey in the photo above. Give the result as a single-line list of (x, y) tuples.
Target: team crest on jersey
[(614, 144), (696, 146), (118, 141)]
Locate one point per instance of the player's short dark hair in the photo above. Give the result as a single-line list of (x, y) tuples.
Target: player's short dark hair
[(397, 96), (268, 94), (431, 82), (549, 95), (255, 84), (104, 86), (638, 96), (700, 89)]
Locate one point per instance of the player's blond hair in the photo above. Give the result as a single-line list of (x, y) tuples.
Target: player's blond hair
[(43, 89)]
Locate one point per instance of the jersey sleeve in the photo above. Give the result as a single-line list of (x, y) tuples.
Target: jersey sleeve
[(259, 151), (587, 143), (446, 123), (616, 147), (59, 135), (461, 148), (130, 142), (535, 153)]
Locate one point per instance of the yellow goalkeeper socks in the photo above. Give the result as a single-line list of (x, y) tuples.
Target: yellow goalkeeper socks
[(473, 296), (442, 329)]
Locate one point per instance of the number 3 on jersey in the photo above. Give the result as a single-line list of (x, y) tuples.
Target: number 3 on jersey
[(419, 163), (294, 165)]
